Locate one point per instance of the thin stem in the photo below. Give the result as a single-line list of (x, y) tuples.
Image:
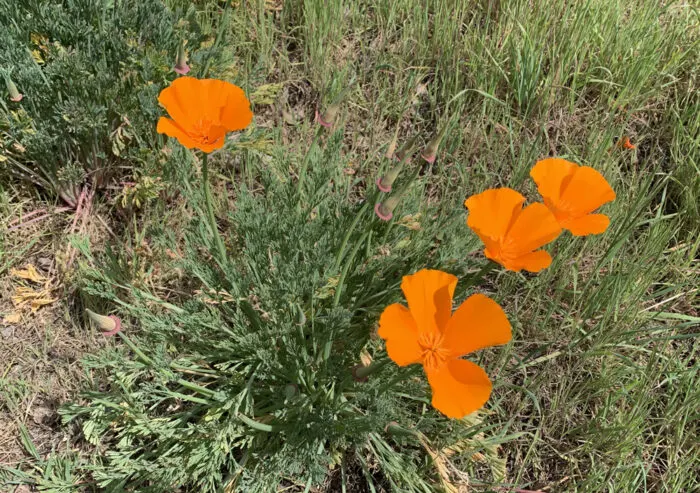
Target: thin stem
[(348, 264), (210, 208), (343, 246)]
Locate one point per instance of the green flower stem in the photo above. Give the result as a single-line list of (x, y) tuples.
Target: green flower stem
[(344, 245), (210, 208), (184, 383), (195, 388), (257, 425), (135, 349), (349, 262)]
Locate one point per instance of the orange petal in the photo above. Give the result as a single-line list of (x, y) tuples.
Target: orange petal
[(531, 262), (398, 329), (182, 101), (171, 129), (217, 144), (491, 212), (590, 224), (478, 323), (236, 113), (429, 296), (549, 175), (535, 227), (587, 190), (459, 388)]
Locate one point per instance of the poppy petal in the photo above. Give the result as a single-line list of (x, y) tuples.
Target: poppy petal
[(460, 387), (182, 101), (587, 190), (549, 175), (398, 329), (590, 224), (492, 212), (535, 227), (236, 113), (217, 144), (478, 323), (171, 129), (429, 296), (532, 262)]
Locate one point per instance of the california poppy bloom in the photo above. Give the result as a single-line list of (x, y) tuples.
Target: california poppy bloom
[(572, 193), (202, 111), (512, 234), (427, 332)]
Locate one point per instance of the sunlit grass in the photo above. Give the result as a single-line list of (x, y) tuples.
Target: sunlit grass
[(599, 389)]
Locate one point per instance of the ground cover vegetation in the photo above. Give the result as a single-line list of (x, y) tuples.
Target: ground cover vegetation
[(269, 282)]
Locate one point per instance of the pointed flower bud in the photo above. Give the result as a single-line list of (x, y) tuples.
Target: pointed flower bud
[(15, 95), (392, 145), (181, 66), (110, 324), (406, 150), (385, 210), (327, 119), (385, 182), (430, 151)]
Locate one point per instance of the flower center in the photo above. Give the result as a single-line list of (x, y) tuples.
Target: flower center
[(202, 131), (432, 352)]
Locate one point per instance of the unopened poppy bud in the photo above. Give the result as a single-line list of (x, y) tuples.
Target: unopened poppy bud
[(385, 182), (430, 151), (15, 95), (181, 66), (327, 119), (110, 324), (385, 210), (392, 145), (406, 150)]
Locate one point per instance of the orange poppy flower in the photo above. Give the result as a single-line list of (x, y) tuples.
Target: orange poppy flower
[(427, 332), (512, 234), (572, 193), (202, 111)]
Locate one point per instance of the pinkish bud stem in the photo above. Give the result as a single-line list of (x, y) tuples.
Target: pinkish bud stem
[(382, 212), (322, 122), (117, 327), (182, 69), (430, 158), (15, 95), (181, 66), (383, 188)]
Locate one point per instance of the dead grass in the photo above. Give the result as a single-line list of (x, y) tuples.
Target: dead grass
[(40, 353)]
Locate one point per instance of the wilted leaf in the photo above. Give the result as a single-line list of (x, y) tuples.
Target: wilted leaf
[(36, 55), (35, 299), (29, 273)]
